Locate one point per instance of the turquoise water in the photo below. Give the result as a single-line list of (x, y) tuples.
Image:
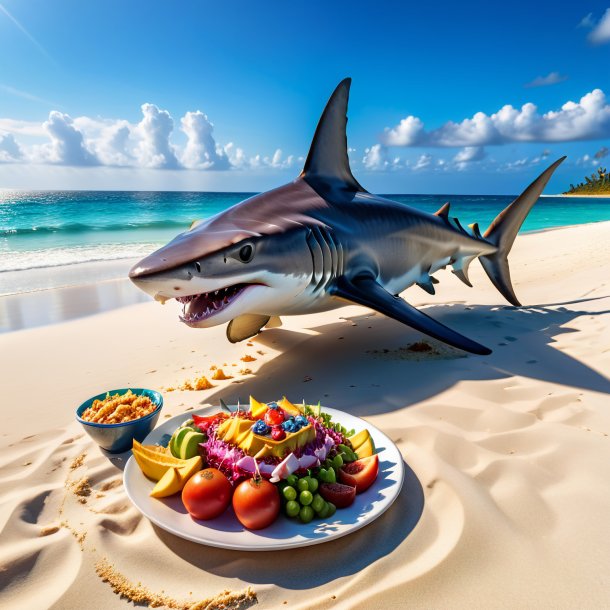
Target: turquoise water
[(49, 229)]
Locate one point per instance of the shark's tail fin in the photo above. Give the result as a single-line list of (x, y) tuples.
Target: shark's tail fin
[(503, 230)]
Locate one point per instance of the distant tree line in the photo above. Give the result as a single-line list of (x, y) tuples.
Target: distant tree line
[(595, 184)]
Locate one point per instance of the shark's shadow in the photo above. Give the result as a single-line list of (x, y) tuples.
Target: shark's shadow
[(361, 365), (311, 566)]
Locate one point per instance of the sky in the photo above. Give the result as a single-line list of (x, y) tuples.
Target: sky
[(447, 97)]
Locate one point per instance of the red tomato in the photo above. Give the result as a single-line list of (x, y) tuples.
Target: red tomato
[(203, 423), (340, 495), (207, 494), (256, 503), (360, 474)]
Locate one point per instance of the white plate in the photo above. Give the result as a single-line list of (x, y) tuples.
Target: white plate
[(227, 532)]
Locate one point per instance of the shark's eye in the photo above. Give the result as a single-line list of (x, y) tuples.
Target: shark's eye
[(246, 253)]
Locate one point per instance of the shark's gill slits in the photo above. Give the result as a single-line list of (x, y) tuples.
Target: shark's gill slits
[(199, 307), (327, 257)]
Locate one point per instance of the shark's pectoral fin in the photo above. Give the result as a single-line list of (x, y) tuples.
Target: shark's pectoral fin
[(274, 322), (366, 291), (246, 326)]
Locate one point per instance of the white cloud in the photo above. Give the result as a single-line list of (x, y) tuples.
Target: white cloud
[(375, 158), (587, 21), (201, 151), (9, 149), (600, 34), (25, 128), (154, 149), (113, 146), (424, 161), (552, 78), (468, 155), (587, 119), (67, 145)]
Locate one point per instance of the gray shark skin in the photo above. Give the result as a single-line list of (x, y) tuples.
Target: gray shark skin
[(323, 241)]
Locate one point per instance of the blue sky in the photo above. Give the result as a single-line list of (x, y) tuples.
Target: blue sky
[(446, 98)]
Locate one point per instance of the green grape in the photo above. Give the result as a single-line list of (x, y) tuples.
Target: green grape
[(306, 514), (318, 503), (323, 512), (292, 480), (305, 498), (332, 475), (332, 509), (313, 485), (292, 508), (337, 461), (303, 485), (290, 493)]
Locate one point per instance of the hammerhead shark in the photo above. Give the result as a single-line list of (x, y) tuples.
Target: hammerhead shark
[(322, 241)]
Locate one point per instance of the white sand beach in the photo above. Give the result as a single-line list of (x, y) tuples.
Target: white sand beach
[(507, 495)]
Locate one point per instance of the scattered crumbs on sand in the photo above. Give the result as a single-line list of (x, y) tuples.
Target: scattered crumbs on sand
[(170, 389), (333, 597), (151, 371), (78, 461), (219, 375), (111, 485), (233, 364), (99, 495), (250, 344), (418, 351), (80, 536), (28, 463), (189, 408), (245, 371), (432, 483), (81, 489), (260, 352), (48, 530), (307, 378), (247, 358), (167, 415), (140, 595), (213, 367)]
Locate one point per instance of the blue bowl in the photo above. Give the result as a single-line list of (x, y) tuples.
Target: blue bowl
[(116, 438)]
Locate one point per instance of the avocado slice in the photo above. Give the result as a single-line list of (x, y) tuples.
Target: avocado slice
[(176, 440), (189, 444)]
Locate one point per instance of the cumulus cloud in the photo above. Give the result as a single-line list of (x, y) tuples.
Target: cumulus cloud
[(201, 151), (67, 145), (154, 149), (552, 78), (375, 157), (9, 148), (468, 155), (600, 34), (587, 119), (424, 161)]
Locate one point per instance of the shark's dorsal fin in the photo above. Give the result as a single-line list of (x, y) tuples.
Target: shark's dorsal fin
[(443, 212), (327, 165)]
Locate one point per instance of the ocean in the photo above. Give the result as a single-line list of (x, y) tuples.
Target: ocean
[(44, 232)]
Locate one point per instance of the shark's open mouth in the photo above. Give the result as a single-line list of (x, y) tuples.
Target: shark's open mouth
[(198, 307)]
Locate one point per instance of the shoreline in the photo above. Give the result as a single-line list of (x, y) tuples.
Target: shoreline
[(580, 196), (83, 296)]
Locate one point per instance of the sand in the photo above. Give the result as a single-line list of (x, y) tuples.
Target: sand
[(507, 494)]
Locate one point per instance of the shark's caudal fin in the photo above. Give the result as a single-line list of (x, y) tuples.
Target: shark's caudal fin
[(327, 165), (503, 230)]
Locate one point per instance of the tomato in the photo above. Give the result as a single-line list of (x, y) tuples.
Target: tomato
[(256, 503), (340, 495), (360, 474), (207, 494)]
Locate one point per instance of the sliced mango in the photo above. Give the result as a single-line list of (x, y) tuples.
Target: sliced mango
[(287, 406), (367, 449), (359, 438), (258, 409), (151, 468), (168, 485), (190, 468), (153, 452)]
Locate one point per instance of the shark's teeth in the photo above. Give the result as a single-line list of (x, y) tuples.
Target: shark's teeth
[(197, 307)]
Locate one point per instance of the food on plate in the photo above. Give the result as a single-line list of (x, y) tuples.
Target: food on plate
[(267, 459), (207, 494), (339, 494), (256, 503), (175, 478), (360, 474), (118, 408), (362, 444)]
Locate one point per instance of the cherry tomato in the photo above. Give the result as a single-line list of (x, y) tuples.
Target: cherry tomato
[(256, 503), (277, 433), (274, 417), (360, 474), (340, 495), (207, 494)]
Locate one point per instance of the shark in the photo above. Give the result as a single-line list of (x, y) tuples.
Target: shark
[(323, 241)]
